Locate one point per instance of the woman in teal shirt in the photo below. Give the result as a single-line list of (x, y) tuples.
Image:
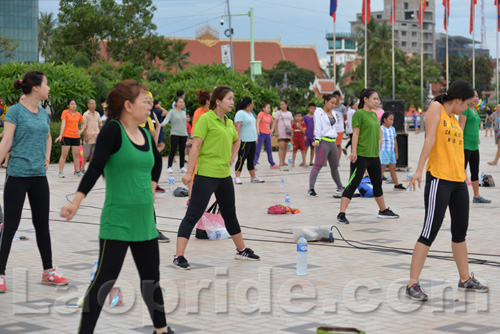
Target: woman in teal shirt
[(469, 122)]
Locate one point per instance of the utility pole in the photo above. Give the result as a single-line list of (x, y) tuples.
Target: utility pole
[(230, 36)]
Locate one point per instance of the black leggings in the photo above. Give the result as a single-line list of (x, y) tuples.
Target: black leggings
[(15, 191), (358, 171), (174, 142), (349, 143), (203, 188), (111, 255), (246, 152), (472, 157), (438, 196)]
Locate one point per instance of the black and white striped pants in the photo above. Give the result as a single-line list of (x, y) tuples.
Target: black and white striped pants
[(439, 195)]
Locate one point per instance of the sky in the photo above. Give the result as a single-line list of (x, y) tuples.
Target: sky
[(294, 22)]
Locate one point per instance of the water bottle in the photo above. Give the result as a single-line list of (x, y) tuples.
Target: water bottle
[(218, 234), (290, 162), (481, 183), (289, 147), (282, 184), (302, 256), (408, 177), (287, 200), (171, 185), (93, 271)]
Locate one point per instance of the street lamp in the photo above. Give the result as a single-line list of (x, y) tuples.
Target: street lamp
[(255, 65)]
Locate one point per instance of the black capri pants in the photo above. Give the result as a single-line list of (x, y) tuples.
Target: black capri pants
[(246, 152), (177, 141), (440, 194), (358, 169), (472, 157), (203, 188)]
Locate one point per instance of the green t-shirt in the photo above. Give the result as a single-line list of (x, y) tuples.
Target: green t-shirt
[(29, 144), (215, 152), (369, 133), (471, 130)]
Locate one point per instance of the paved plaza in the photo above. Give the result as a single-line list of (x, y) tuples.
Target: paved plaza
[(345, 286)]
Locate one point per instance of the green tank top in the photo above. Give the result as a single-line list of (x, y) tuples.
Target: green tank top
[(128, 213)]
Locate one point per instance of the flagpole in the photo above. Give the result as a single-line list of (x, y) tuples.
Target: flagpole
[(447, 58), (366, 42), (473, 10), (498, 26), (393, 11), (334, 56), (422, 62)]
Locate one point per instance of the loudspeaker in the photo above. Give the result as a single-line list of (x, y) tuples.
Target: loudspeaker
[(402, 141), (397, 107)]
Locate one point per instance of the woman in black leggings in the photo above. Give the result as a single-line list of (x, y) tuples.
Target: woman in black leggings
[(26, 131), (366, 134), (215, 146), (127, 218)]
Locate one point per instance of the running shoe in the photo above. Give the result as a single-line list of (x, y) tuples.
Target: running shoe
[(247, 254), (80, 174), (480, 199), (388, 214), (170, 170), (237, 181), (180, 262), (184, 169), (61, 175), (275, 167), (341, 218), (159, 189), (52, 277), (340, 190), (415, 292), (169, 331), (162, 238), (256, 180), (472, 284), (399, 187), (312, 193), (3, 286)]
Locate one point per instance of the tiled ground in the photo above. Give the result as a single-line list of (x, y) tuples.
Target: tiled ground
[(345, 286)]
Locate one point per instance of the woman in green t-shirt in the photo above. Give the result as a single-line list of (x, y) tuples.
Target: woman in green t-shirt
[(366, 136), (215, 146), (469, 122)]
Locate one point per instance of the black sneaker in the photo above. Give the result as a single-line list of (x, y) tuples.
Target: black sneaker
[(312, 193), (342, 219), (169, 331), (415, 292), (159, 189), (162, 238), (246, 254), (472, 284), (387, 214), (399, 187), (180, 262), (384, 178)]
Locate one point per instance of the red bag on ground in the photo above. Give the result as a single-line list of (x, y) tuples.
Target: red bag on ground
[(281, 209)]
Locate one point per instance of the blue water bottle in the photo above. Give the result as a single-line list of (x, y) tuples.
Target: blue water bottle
[(302, 256), (287, 200), (290, 162), (171, 185), (408, 177), (282, 182)]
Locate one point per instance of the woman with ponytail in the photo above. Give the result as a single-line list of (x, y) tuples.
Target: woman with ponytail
[(366, 139), (445, 186)]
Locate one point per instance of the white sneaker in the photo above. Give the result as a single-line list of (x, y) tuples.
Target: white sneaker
[(184, 169), (238, 181), (61, 175), (170, 170)]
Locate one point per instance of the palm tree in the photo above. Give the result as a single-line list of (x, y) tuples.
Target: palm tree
[(46, 25), (176, 56)]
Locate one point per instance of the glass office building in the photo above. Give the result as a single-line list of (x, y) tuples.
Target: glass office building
[(19, 21)]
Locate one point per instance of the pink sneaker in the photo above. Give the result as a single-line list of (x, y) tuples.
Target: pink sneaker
[(53, 277), (3, 287)]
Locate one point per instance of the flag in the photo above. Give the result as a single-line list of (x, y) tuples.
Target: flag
[(333, 9), (366, 16), (472, 12), (421, 11), (498, 15), (393, 12), (446, 4)]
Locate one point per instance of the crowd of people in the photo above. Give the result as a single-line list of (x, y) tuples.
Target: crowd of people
[(133, 136)]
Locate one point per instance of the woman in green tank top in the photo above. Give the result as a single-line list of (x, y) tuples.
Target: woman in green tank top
[(127, 218)]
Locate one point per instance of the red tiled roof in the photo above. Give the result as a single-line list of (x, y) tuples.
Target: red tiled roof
[(303, 57)]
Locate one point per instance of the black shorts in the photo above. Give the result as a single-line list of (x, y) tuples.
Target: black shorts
[(70, 141)]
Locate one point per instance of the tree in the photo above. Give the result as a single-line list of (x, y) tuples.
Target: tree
[(286, 72), (460, 68), (46, 26), (176, 57), (7, 47)]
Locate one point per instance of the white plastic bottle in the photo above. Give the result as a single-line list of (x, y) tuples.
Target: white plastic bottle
[(171, 185), (408, 177), (290, 162), (218, 234), (482, 179), (287, 200), (302, 256), (282, 184), (93, 271)]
